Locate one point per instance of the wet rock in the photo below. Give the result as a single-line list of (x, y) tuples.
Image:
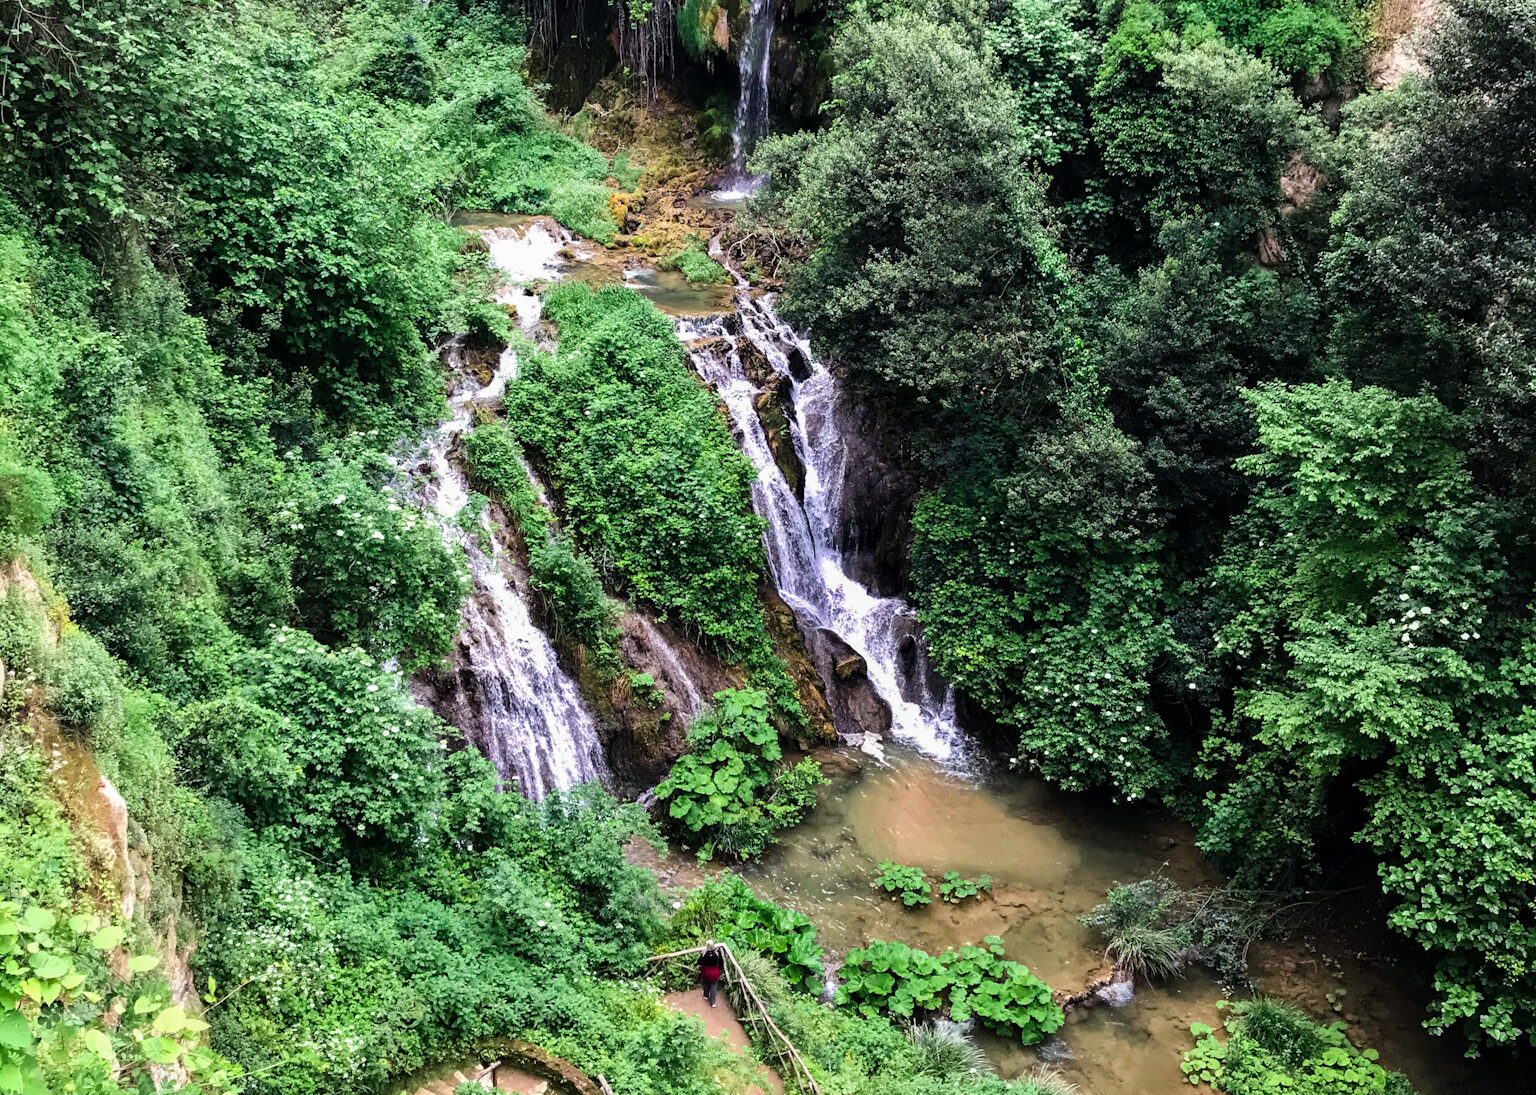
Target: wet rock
[(799, 659), (874, 522), (856, 707), (755, 364), (799, 367), (773, 415)]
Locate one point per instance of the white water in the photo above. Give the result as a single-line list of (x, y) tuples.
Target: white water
[(510, 696), (751, 122), (800, 539)]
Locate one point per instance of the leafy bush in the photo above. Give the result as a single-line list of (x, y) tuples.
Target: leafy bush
[(892, 977), (574, 593), (320, 747), (696, 265), (909, 883), (727, 909), (974, 981), (86, 688), (495, 461), (726, 789), (1303, 40), (1274, 1047), (955, 889), (1002, 994), (351, 541)]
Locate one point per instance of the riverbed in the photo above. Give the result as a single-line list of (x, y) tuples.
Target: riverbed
[(1052, 856)]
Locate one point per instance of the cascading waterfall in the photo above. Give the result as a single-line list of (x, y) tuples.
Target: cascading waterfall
[(803, 559), (752, 101), (507, 692)]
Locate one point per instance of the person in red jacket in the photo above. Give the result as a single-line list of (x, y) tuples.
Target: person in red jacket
[(711, 966)]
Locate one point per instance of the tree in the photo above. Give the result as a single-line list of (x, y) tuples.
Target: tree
[(931, 272)]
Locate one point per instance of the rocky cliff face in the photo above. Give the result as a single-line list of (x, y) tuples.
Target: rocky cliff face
[(876, 497)]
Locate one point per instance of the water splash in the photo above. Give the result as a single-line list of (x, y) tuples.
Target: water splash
[(507, 692), (800, 541)]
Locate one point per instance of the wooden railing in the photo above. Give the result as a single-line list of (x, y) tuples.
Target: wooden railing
[(792, 1066)]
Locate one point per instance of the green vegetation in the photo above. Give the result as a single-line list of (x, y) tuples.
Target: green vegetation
[(696, 265), (727, 909), (1215, 395), (1274, 1047), (973, 981), (955, 889), (728, 789), (653, 489), (907, 883)]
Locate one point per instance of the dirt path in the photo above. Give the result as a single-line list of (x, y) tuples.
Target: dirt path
[(722, 1020)]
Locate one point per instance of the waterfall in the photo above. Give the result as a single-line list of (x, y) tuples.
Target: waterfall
[(803, 558), (752, 100), (507, 692)]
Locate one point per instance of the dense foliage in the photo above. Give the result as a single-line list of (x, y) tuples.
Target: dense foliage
[(971, 982), (652, 487), (224, 258), (1215, 375), (728, 790), (1272, 1047)]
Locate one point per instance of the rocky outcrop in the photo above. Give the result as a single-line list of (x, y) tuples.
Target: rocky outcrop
[(774, 411), (644, 723), (876, 496), (856, 707), (800, 659)]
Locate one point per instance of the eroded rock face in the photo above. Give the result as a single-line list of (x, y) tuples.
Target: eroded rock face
[(856, 707), (874, 527), (644, 731), (774, 412)]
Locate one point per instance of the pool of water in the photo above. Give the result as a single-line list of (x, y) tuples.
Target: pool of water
[(1052, 856), (597, 266)]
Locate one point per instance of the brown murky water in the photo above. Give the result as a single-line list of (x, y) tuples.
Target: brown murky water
[(1052, 856)]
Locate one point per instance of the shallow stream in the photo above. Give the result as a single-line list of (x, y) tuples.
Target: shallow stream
[(1052, 856)]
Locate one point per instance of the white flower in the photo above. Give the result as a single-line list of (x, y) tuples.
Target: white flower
[(377, 535), (338, 500)]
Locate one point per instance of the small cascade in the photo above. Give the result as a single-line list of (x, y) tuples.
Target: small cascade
[(679, 680), (803, 559), (752, 101), (507, 692)]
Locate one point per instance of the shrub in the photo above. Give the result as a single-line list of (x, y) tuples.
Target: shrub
[(727, 909), (369, 569), (946, 1051), (1301, 40), (1272, 1046), (86, 690), (574, 593), (763, 973), (27, 499), (696, 265), (955, 889), (726, 789), (495, 462), (974, 981), (322, 748), (908, 883)]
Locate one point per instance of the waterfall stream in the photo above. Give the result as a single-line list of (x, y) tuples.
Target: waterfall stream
[(507, 692), (803, 559), (751, 123)]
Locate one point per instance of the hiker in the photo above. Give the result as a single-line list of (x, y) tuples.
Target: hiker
[(711, 966)]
